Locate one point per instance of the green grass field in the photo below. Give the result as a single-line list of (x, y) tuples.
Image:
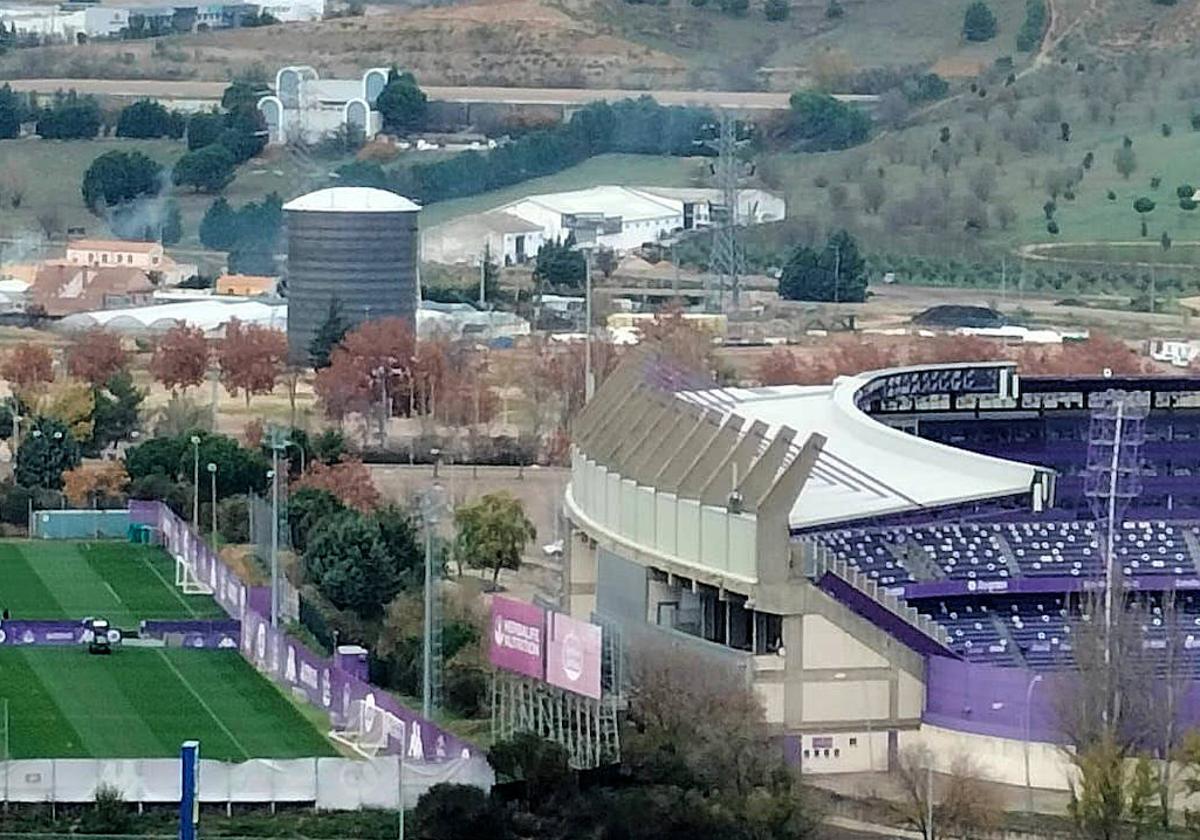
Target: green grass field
[(73, 580), (622, 170), (142, 703)]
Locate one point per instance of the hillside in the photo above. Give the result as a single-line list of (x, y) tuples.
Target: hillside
[(565, 43)]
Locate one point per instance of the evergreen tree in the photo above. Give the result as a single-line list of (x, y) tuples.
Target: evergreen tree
[(329, 335), (172, 226), (208, 170), (12, 111), (979, 24), (148, 119), (837, 273), (559, 265), (118, 177), (402, 103), (219, 227)]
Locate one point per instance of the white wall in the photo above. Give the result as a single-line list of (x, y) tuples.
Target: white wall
[(48, 22), (637, 232), (290, 11), (828, 646), (844, 752), (995, 759), (105, 21)]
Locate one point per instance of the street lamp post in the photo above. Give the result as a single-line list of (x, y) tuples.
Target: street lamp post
[(1034, 680), (588, 386), (432, 515), (196, 483), (212, 471)]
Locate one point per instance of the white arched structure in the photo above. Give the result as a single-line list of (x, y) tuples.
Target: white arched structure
[(305, 108), (374, 81)]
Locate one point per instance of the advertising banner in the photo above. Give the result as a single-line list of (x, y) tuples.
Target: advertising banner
[(518, 636), (573, 656), (42, 632)]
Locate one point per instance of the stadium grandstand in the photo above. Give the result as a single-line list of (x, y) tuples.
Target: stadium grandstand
[(901, 556)]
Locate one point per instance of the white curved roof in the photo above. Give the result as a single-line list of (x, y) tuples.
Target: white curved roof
[(352, 200), (866, 468), (209, 314)]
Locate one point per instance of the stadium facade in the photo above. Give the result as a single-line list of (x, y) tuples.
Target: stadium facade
[(889, 559)]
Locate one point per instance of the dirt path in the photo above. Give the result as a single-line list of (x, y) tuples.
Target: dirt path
[(1033, 251)]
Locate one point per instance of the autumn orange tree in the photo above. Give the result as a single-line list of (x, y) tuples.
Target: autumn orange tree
[(1081, 358), (95, 356), (687, 345), (251, 358), (27, 367), (180, 359), (95, 482), (349, 481)]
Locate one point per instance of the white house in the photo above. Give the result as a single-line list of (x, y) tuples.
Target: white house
[(619, 218), (510, 239), (306, 108)]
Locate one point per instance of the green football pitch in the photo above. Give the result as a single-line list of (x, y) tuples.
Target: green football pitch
[(125, 583), (144, 702)]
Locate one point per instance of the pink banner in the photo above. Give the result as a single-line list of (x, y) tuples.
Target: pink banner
[(573, 656), (518, 635)]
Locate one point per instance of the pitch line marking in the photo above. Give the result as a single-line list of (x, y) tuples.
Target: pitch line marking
[(178, 595), (202, 702)]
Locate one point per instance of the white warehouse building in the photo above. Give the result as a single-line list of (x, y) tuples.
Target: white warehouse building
[(306, 108), (615, 217), (618, 218)]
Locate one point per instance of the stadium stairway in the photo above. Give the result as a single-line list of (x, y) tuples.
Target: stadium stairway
[(1193, 544), (1005, 633), (1014, 568), (918, 562)]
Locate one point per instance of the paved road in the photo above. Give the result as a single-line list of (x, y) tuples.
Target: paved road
[(752, 101)]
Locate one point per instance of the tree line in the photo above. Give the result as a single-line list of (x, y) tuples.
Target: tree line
[(633, 126)]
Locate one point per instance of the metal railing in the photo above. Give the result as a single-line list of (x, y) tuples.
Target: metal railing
[(821, 560)]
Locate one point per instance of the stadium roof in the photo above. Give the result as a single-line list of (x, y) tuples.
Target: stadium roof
[(865, 469), (352, 200)]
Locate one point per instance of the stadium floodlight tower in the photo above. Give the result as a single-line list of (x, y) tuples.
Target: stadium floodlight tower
[(1114, 479)]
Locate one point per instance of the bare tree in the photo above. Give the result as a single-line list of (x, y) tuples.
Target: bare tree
[(873, 192), (963, 805), (982, 182)]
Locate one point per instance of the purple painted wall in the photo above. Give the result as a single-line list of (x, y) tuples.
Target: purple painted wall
[(881, 617), (285, 660)]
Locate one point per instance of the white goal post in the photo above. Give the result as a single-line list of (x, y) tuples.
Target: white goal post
[(366, 727), (187, 579)]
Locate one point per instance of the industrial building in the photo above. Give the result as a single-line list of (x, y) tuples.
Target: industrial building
[(354, 245), (614, 217), (306, 108), (509, 239), (617, 218), (71, 22)]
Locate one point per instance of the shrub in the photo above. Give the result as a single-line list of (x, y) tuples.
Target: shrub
[(777, 10), (110, 816)]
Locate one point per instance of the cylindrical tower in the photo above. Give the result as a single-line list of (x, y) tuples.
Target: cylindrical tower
[(355, 245)]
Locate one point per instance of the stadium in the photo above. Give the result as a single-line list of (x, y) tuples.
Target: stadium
[(899, 557)]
